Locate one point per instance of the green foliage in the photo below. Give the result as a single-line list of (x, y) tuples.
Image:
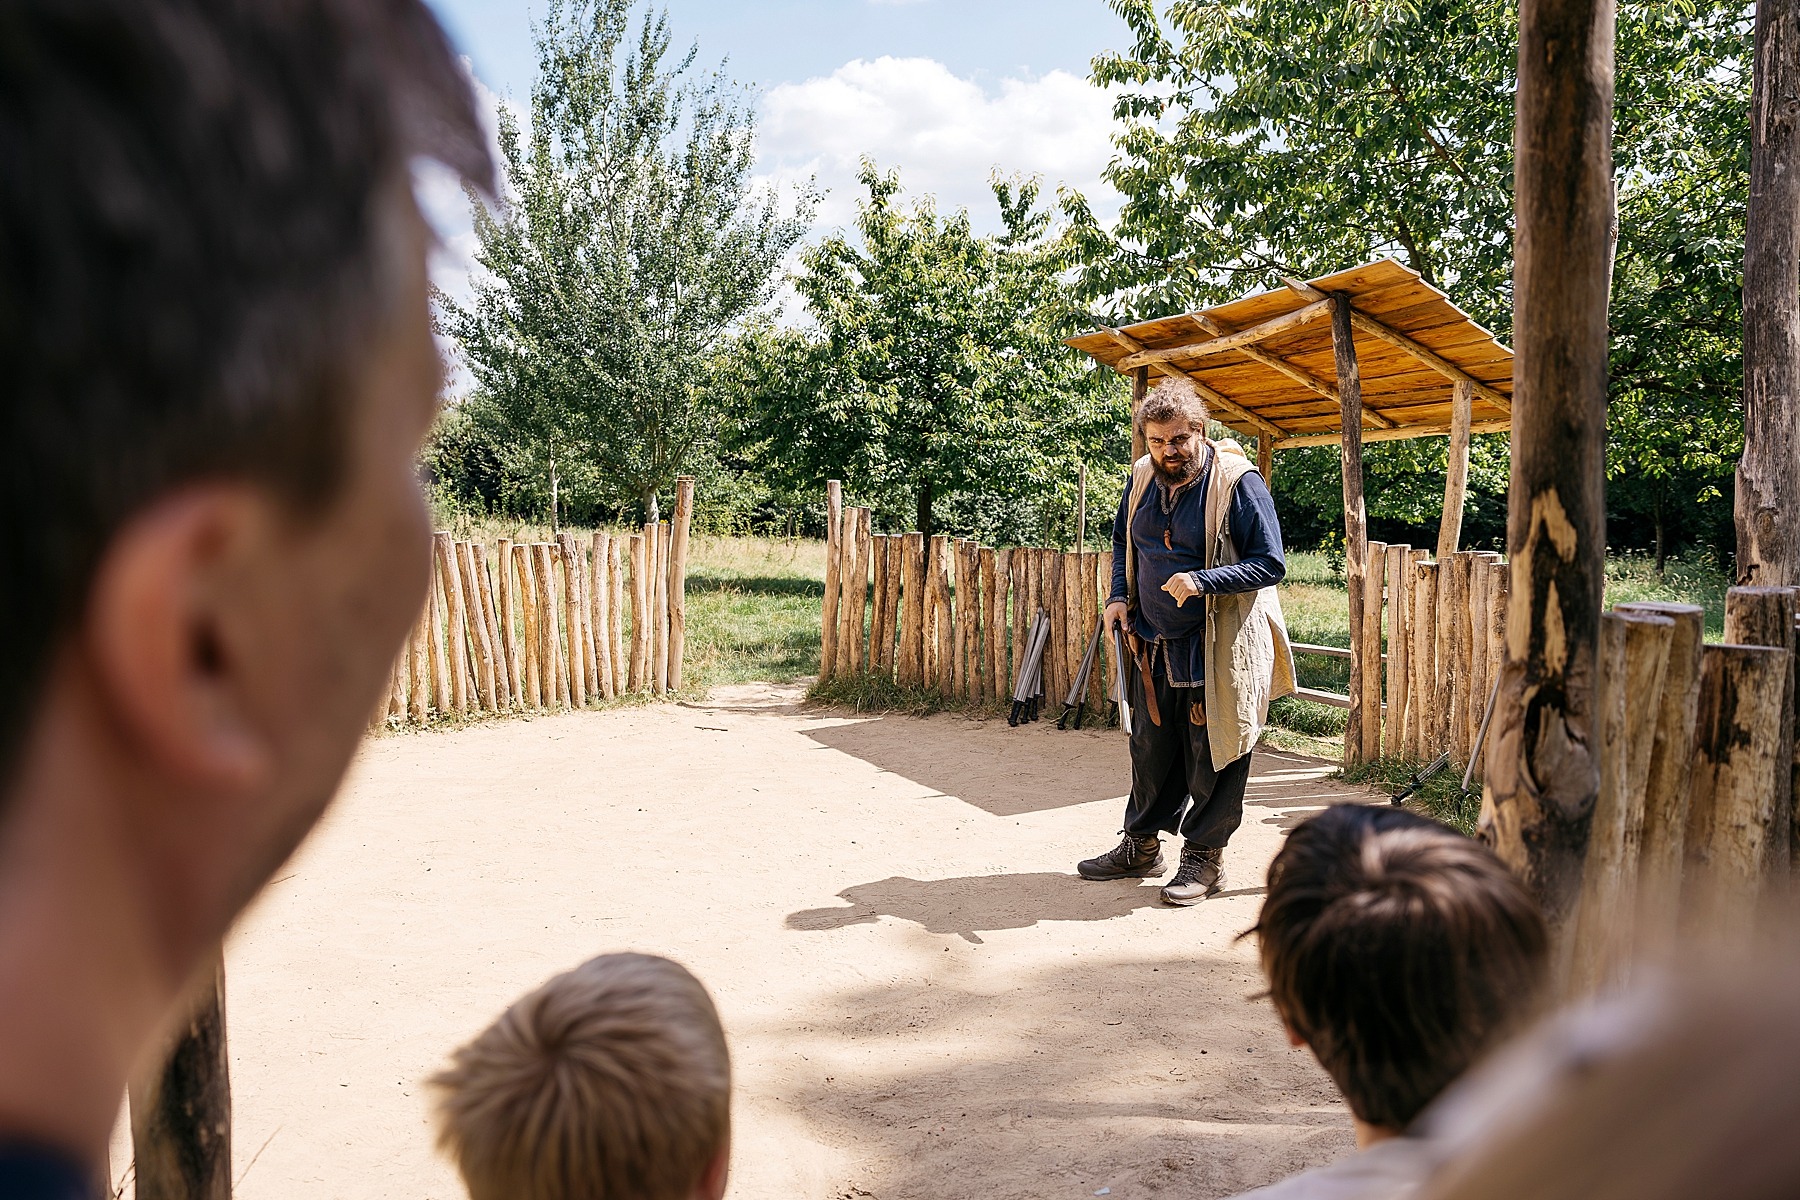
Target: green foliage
[(935, 383), (1270, 137), (628, 242)]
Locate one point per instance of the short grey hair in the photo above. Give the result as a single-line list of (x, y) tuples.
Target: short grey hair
[(1171, 399)]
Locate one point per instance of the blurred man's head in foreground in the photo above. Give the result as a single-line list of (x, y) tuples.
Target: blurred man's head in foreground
[(215, 324)]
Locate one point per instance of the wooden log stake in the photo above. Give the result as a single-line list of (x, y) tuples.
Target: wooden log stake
[(525, 577), (1356, 537), (1374, 572), (890, 604), (1476, 636), (865, 556), (181, 1109), (1422, 711), (944, 649), (853, 580), (600, 598), (1499, 587), (543, 595), (640, 608), (678, 556), (481, 634), (1731, 813), (1764, 616), (1670, 776), (1104, 569), (419, 665), (456, 625), (1049, 598), (959, 632), (911, 654), (577, 563), (1443, 656), (1634, 656), (878, 575), (1456, 473), (615, 616), (490, 620), (1399, 636), (568, 558), (441, 699), (834, 511), (1461, 737), (1542, 779), (661, 581), (993, 621), (510, 648), (1090, 618)]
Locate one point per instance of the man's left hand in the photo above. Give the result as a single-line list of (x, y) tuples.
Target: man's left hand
[(1181, 586)]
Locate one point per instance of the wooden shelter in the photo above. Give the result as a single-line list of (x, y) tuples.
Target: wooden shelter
[(1373, 353)]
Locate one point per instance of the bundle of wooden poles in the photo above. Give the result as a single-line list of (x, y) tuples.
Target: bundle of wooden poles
[(1445, 633), (547, 625), (950, 615)]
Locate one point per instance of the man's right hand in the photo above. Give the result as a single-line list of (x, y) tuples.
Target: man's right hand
[(1115, 617)]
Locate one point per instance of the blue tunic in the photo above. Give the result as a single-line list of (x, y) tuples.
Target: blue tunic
[(1255, 532)]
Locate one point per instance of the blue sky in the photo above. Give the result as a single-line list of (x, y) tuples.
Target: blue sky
[(948, 92)]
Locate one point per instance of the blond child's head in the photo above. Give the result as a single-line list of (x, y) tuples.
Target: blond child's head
[(609, 1082)]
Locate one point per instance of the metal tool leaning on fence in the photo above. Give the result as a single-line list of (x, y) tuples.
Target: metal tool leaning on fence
[(1196, 523), (1028, 690)]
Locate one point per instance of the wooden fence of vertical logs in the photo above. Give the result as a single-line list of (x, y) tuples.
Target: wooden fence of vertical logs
[(947, 614), (547, 625)]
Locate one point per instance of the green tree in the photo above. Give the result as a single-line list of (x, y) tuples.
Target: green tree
[(935, 383), (630, 240), (1263, 137)]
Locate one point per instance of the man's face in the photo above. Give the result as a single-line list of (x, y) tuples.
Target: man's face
[(1175, 450)]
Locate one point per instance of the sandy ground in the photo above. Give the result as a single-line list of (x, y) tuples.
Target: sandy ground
[(922, 999)]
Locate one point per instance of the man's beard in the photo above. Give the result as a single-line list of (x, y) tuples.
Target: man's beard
[(1183, 474)]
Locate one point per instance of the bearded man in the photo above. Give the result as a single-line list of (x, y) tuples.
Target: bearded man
[(1196, 557)]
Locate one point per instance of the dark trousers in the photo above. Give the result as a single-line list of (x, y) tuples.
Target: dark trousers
[(1172, 770)]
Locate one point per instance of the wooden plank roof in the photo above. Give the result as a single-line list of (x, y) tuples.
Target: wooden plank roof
[(1265, 362)]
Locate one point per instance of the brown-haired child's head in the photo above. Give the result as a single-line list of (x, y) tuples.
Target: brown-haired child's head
[(610, 1082), (1399, 951)]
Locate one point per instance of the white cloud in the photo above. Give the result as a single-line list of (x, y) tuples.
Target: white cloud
[(947, 135)]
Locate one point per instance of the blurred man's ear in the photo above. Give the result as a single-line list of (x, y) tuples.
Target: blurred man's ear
[(169, 636), (712, 1181)]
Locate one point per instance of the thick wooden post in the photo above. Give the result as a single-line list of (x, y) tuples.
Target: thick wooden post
[(615, 618), (419, 664), (938, 635), (834, 516), (1633, 656), (1020, 586), (1768, 475), (434, 631), (959, 652), (456, 633), (600, 610), (1479, 681), (1265, 458), (878, 578), (678, 552), (993, 623), (1462, 653), (503, 681), (640, 609), (1396, 566), (1456, 472), (853, 577), (1764, 616), (1670, 776), (890, 604), (571, 618), (181, 1113), (556, 671), (1731, 815), (1543, 778), (508, 618), (1443, 657), (486, 681), (1356, 535), (1422, 701), (660, 622), (1140, 387), (1090, 617)]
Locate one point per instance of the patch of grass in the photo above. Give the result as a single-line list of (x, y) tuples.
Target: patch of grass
[(880, 694), (1632, 578), (1440, 796)]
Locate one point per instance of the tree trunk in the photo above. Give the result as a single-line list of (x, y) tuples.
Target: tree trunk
[(1768, 475), (1543, 777), (925, 494)]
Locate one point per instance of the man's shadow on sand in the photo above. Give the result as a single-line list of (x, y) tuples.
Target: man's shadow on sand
[(976, 904)]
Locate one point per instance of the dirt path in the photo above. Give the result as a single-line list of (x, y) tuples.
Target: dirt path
[(922, 1000)]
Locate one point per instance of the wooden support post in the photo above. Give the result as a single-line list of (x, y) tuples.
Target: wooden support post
[(1356, 536), (1396, 567), (556, 675), (913, 610), (1374, 569), (456, 632), (1670, 776), (1265, 457), (1140, 387), (600, 611), (834, 515), (678, 552), (1731, 813), (479, 642), (1456, 471), (509, 621), (1768, 474), (1542, 778), (525, 577), (181, 1113), (1633, 658), (1764, 616)]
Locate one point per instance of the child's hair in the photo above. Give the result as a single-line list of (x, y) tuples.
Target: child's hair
[(610, 1082), (1399, 950)]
